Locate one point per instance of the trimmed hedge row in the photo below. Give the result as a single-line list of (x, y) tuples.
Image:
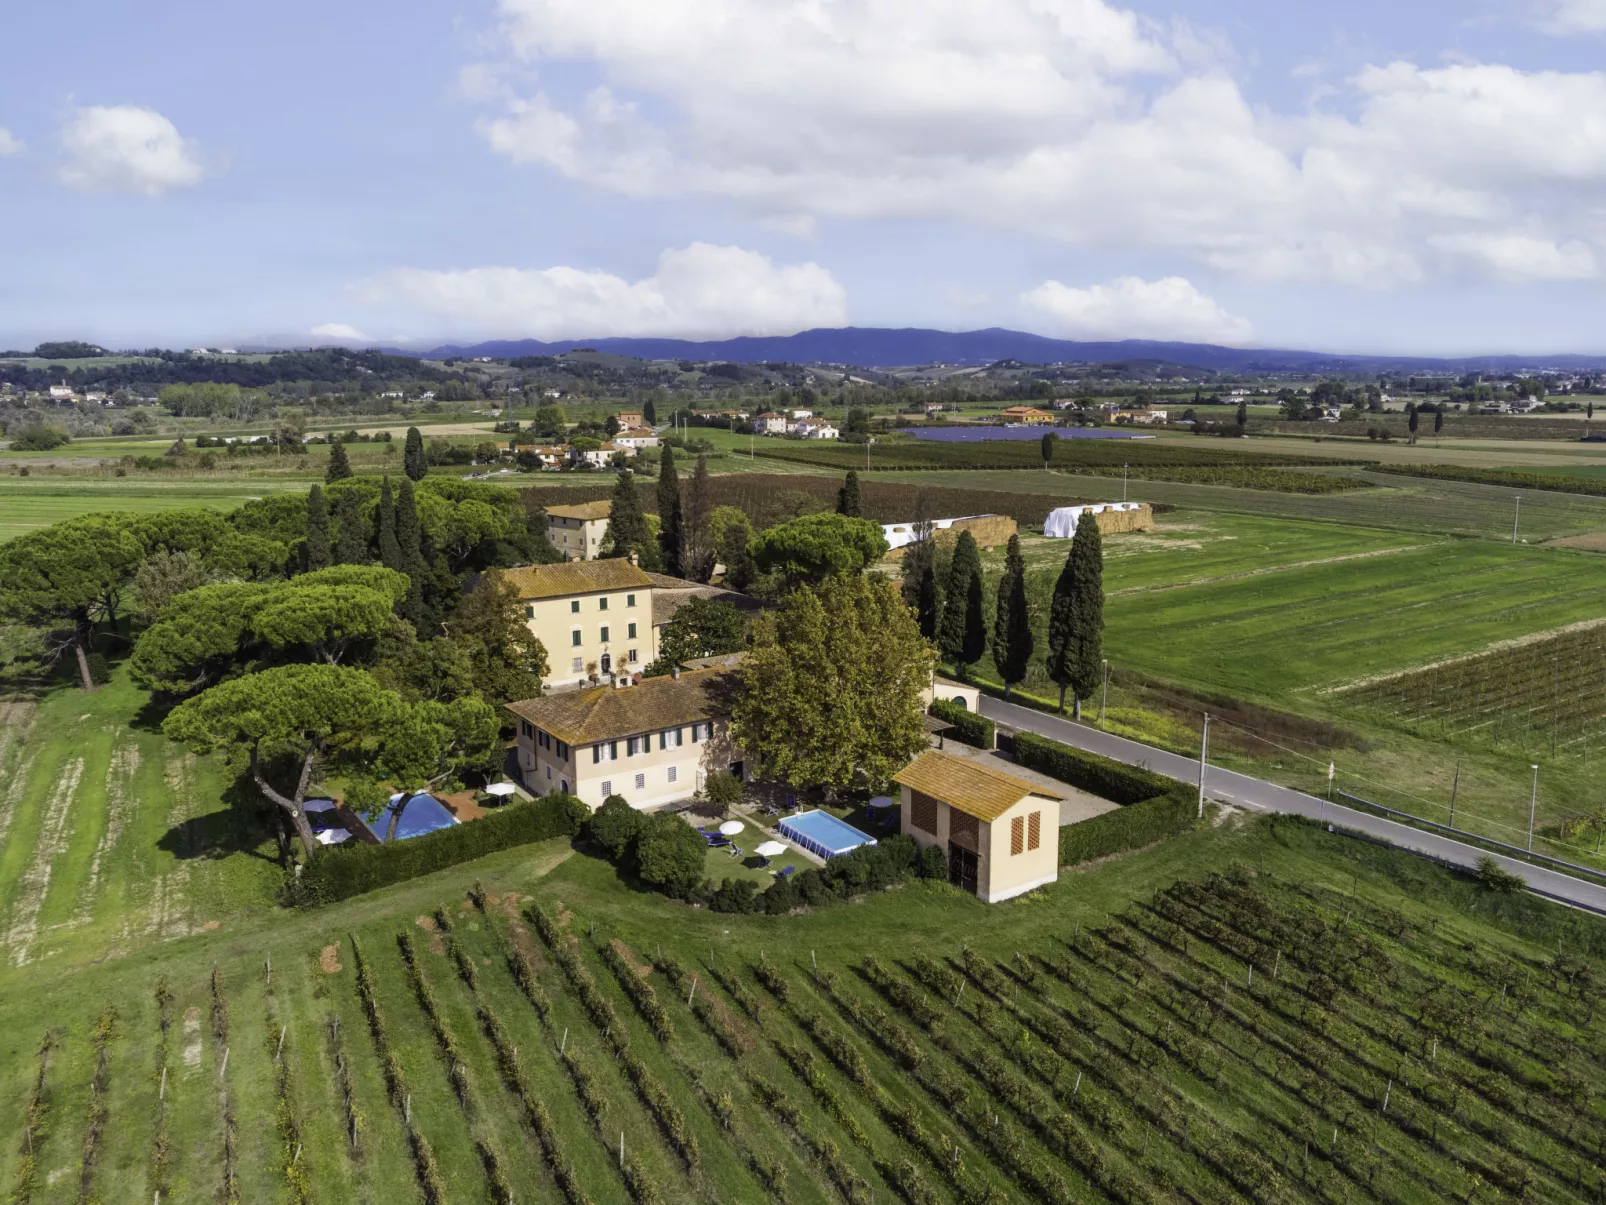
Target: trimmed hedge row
[(1153, 807), (353, 868), (1101, 776), (969, 728)]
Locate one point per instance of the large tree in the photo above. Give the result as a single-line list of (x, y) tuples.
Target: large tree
[(703, 627), (319, 554), (1012, 626), (65, 577), (1076, 616), (815, 547), (351, 544), (390, 553), (409, 541), (413, 463), (284, 724), (669, 519), (848, 501), (697, 538), (735, 551), (627, 525), (927, 607), (339, 467), (962, 636), (509, 661), (830, 691)]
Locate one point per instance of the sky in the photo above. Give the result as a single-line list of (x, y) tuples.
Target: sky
[(1418, 178)]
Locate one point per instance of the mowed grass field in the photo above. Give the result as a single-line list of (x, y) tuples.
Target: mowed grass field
[(36, 501)]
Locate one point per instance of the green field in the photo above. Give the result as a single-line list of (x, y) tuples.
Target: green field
[(38, 501), (1083, 1026)]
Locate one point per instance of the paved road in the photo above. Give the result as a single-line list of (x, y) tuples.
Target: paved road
[(1258, 795)]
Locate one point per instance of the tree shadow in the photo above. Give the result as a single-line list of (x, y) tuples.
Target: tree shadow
[(241, 826)]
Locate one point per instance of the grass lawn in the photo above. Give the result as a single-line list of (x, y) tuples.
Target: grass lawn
[(40, 500)]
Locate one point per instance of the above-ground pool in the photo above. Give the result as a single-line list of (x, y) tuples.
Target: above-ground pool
[(822, 833), (972, 435)]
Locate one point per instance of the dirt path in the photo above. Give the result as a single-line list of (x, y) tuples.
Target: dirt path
[(119, 808), (1233, 577), (167, 914), (24, 926)]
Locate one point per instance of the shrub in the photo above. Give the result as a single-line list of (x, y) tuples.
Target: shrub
[(670, 854), (351, 869), (969, 728), (1496, 878), (723, 788), (615, 825), (38, 439), (738, 895), (932, 864)]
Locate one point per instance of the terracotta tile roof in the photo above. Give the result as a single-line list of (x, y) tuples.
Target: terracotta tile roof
[(583, 510), (610, 713), (576, 577), (973, 789)]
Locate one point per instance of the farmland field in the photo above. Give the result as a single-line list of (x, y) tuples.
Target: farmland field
[(1254, 1011), (40, 500)]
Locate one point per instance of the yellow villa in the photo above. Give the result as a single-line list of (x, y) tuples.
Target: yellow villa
[(652, 743), (593, 617), (999, 833), (577, 531)]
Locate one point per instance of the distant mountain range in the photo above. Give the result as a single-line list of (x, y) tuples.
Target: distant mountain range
[(883, 347)]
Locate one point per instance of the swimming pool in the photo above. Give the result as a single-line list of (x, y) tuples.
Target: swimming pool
[(822, 833)]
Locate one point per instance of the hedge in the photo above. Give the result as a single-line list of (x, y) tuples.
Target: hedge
[(1101, 776), (969, 728), (1153, 807), (343, 871)]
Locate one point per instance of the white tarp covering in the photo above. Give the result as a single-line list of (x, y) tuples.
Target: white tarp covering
[(1061, 523)]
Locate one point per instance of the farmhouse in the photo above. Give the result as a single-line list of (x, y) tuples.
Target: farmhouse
[(630, 418), (632, 438), (594, 617), (1000, 833), (652, 743), (577, 531), (1026, 414)]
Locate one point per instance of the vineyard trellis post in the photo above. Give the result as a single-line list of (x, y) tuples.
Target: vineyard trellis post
[(1533, 806)]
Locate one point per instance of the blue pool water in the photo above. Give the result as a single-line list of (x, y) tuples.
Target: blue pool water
[(823, 834), (972, 435)]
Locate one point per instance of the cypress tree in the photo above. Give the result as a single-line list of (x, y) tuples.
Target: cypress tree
[(339, 464), (413, 458), (1049, 440), (627, 524), (696, 540), (317, 552), (649, 413), (1438, 419), (1412, 422), (1076, 617), (351, 546), (926, 608), (734, 555), (1012, 627), (1243, 417), (962, 636), (390, 553), (410, 547), (848, 501), (669, 518)]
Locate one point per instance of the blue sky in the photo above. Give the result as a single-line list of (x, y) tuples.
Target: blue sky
[(1427, 177)]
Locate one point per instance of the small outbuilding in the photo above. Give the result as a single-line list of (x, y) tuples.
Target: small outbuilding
[(999, 833)]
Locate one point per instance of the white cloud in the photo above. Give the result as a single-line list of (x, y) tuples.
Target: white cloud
[(1563, 17), (126, 149), (1072, 119), (1133, 308), (338, 332), (9, 145), (700, 291)]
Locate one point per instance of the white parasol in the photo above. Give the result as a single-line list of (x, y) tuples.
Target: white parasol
[(731, 827), (770, 849)]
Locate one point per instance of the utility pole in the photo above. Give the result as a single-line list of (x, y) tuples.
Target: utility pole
[(1123, 482), (1455, 786), (1106, 696), (1204, 753), (1533, 806), (1516, 518)]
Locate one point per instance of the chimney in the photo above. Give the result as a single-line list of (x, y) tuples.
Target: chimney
[(635, 559)]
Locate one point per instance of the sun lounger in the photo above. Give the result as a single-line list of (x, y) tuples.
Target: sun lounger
[(786, 872)]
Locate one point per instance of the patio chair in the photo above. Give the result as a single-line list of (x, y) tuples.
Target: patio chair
[(763, 863), (786, 872), (738, 852)]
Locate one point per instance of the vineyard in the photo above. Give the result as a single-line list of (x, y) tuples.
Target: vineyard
[(1517, 479), (1238, 1036), (1542, 698)]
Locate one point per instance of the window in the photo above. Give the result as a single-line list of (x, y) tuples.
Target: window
[(613, 750), (923, 812), (607, 788), (631, 655), (1034, 830), (602, 603), (630, 600), (563, 754), (701, 732), (596, 754), (546, 739), (671, 773), (630, 632), (604, 635), (578, 665), (574, 607), (632, 746), (529, 611), (574, 638), (549, 773), (1017, 835), (641, 782)]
